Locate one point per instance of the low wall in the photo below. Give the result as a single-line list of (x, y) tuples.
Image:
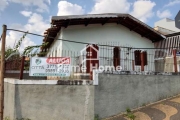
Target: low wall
[(42, 100), (45, 100), (16, 74), (116, 93)]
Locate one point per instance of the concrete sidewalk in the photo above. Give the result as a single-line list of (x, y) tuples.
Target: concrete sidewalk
[(164, 110)]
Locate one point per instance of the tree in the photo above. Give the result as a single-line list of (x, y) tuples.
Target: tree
[(10, 51)]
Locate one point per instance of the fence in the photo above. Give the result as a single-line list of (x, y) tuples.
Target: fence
[(18, 67), (105, 58), (130, 59)]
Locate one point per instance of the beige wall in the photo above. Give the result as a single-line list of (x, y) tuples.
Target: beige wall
[(167, 64)]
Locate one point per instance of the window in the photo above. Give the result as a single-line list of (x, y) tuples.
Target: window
[(137, 55)]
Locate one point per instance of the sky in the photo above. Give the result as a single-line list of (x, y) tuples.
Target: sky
[(35, 15)]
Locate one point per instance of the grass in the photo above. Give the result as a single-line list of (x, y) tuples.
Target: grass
[(129, 114), (96, 117)]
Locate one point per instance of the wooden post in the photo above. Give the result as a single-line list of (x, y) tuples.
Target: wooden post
[(3, 43), (133, 64), (142, 61), (175, 60), (22, 67)]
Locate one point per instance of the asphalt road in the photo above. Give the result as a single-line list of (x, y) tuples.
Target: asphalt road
[(165, 110)]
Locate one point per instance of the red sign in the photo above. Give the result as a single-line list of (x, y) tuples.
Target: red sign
[(58, 60)]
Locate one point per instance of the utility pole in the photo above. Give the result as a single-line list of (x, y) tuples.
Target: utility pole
[(3, 43)]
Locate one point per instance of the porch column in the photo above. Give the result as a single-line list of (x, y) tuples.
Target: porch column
[(142, 61), (175, 60)]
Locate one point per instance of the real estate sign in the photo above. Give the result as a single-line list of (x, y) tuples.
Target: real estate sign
[(50, 66)]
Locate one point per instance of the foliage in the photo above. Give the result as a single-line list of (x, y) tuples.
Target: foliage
[(20, 42), (130, 114), (29, 49), (96, 117), (128, 110), (8, 52), (26, 51)]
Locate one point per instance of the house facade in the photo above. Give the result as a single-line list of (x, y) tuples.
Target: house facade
[(164, 54), (117, 36), (166, 26)]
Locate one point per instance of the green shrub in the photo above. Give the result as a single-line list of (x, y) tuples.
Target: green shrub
[(129, 114), (96, 117)]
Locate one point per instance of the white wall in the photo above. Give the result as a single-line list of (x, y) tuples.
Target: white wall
[(112, 34), (56, 47), (164, 31), (167, 24), (103, 34)]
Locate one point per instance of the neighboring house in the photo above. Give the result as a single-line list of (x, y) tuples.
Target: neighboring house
[(165, 56), (166, 26), (164, 31), (121, 30)]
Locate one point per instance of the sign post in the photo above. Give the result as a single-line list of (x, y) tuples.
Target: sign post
[(3, 44), (50, 66)]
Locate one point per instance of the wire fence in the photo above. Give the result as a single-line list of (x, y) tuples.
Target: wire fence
[(129, 60)]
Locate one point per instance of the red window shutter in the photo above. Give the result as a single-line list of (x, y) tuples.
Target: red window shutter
[(137, 55), (145, 57), (91, 54), (88, 62), (116, 56)]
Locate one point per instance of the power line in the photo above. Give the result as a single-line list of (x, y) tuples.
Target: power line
[(86, 42), (60, 39), (26, 32)]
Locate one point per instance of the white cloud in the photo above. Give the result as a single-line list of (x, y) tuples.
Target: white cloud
[(13, 37), (35, 24), (41, 4), (26, 13), (172, 3), (164, 14), (67, 8), (111, 6), (3, 4), (143, 9)]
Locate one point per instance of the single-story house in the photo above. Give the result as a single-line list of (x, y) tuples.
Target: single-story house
[(116, 35)]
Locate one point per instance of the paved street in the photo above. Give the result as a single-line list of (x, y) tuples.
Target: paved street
[(164, 110)]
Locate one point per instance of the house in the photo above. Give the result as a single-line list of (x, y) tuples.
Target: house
[(116, 36), (166, 26), (164, 60), (166, 56)]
